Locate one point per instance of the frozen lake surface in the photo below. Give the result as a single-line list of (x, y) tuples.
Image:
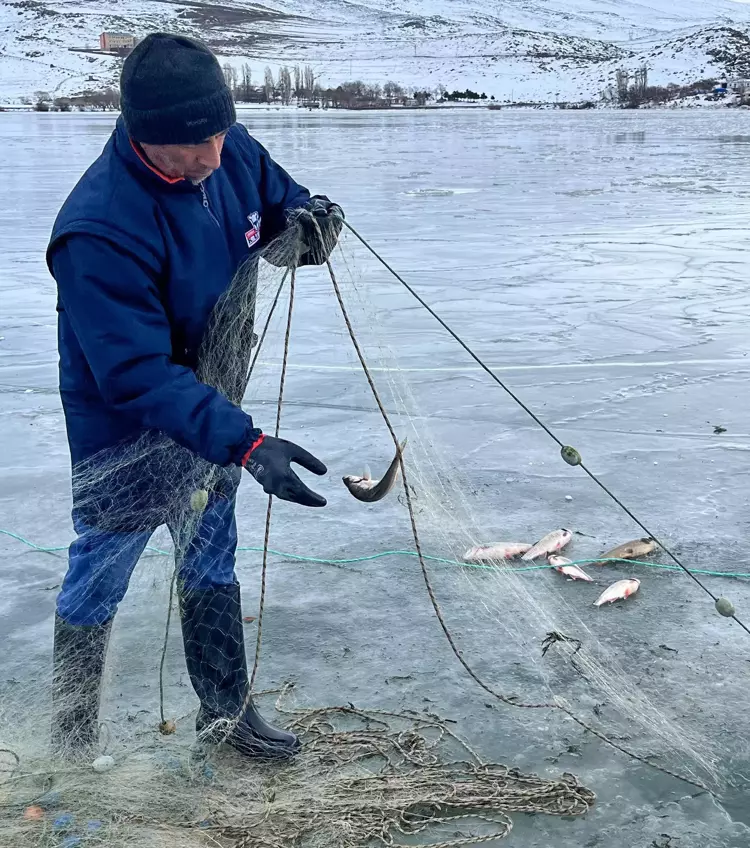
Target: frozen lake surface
[(600, 263)]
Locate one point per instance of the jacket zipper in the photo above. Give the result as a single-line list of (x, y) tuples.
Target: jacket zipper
[(206, 204)]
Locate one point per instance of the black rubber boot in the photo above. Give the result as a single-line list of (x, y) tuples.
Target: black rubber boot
[(78, 659), (214, 641)]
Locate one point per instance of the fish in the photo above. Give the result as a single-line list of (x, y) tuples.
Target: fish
[(566, 567), (366, 489), (550, 544), (618, 591), (631, 550), (558, 561), (501, 550)]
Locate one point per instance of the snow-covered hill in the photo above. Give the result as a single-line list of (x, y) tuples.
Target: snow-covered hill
[(520, 49)]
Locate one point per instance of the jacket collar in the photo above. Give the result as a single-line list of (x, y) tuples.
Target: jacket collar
[(136, 161)]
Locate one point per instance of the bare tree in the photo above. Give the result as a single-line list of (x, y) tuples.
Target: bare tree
[(297, 81), (246, 87), (285, 85), (631, 88), (392, 91), (268, 85), (352, 93), (622, 84), (640, 84), (42, 97), (101, 101), (308, 81), (230, 77)]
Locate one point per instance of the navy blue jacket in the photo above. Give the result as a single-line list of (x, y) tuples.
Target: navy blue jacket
[(140, 262)]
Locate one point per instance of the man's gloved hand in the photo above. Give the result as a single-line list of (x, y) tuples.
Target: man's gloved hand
[(268, 460), (321, 222)]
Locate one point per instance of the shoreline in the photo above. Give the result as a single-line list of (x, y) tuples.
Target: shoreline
[(680, 105)]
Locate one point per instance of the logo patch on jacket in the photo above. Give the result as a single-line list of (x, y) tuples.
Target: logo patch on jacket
[(252, 236)]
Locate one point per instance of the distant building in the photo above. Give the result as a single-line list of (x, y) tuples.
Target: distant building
[(112, 41), (739, 86)]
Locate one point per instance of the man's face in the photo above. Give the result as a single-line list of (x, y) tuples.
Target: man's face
[(192, 162)]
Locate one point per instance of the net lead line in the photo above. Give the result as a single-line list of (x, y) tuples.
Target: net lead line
[(538, 420)]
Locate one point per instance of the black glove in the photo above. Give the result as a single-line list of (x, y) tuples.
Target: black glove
[(268, 460), (321, 222)]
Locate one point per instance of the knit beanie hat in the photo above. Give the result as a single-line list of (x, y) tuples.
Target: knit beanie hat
[(173, 91)]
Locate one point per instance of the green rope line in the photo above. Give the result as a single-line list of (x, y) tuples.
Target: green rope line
[(481, 567), (413, 554), (48, 550)]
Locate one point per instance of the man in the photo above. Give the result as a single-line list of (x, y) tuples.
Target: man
[(143, 250)]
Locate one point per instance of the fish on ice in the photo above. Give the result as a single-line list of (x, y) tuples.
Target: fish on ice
[(618, 591), (632, 550), (366, 489), (550, 544), (501, 550), (565, 566)]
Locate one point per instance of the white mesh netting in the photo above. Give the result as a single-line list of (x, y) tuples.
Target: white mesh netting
[(364, 777)]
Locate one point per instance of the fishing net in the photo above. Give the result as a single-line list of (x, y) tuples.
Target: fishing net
[(367, 775)]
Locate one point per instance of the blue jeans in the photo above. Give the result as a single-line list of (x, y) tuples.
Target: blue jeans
[(101, 562)]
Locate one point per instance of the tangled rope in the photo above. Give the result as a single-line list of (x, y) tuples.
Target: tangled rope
[(367, 777)]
